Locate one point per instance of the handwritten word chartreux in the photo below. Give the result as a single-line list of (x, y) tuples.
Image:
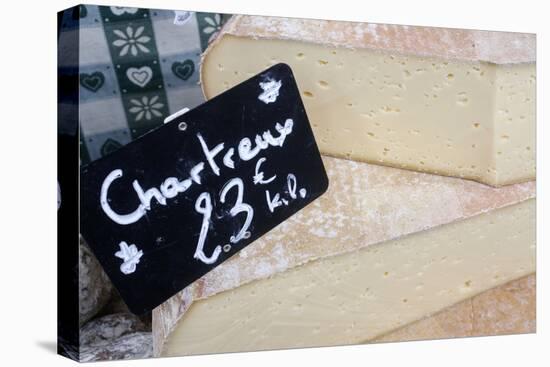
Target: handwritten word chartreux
[(216, 158)]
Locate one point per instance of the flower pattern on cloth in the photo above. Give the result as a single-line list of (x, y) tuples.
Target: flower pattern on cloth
[(214, 26), (124, 59), (131, 41), (146, 107)]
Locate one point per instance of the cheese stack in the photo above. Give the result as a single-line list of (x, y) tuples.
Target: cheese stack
[(384, 247), (445, 101)]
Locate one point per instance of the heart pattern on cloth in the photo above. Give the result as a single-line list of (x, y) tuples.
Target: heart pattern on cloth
[(110, 146), (93, 82), (119, 10), (140, 76), (83, 11), (183, 70)]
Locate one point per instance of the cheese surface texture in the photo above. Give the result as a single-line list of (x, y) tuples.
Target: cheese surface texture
[(449, 102), (506, 309), (365, 205), (355, 297)]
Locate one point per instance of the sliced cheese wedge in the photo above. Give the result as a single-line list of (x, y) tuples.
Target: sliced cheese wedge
[(446, 101), (356, 297), (382, 248), (506, 309)]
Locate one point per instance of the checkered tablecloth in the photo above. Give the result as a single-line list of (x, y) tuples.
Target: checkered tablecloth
[(136, 67)]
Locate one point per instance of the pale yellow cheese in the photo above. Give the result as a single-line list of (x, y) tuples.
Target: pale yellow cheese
[(463, 115), (510, 308), (365, 205), (355, 297)]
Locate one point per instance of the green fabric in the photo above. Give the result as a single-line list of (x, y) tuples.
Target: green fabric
[(136, 66)]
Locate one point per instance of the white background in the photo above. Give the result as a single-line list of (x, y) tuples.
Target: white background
[(28, 182)]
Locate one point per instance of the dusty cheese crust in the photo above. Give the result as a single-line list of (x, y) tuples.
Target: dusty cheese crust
[(356, 297), (446, 43), (364, 205), (436, 100), (506, 309)]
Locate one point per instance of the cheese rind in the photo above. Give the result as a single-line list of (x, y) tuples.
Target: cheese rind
[(355, 297), (438, 108), (364, 205), (506, 309), (448, 43)]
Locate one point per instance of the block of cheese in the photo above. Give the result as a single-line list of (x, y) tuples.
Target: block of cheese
[(382, 248), (506, 309), (446, 101)]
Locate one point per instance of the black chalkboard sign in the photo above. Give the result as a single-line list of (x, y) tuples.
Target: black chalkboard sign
[(167, 208)]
